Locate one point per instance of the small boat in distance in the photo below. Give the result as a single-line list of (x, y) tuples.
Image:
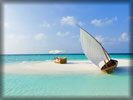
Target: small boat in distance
[(96, 53)]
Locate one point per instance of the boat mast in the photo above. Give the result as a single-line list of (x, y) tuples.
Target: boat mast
[(105, 52), (106, 56)]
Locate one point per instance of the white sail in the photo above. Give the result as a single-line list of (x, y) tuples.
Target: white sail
[(92, 48)]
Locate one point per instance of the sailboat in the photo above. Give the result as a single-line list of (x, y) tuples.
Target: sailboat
[(95, 52)]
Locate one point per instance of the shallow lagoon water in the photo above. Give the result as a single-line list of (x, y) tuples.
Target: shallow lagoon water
[(70, 85), (66, 85)]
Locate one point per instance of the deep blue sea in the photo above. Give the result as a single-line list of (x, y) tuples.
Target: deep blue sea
[(70, 85)]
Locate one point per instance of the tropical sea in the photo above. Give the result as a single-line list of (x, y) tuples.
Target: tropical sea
[(16, 58), (70, 85)]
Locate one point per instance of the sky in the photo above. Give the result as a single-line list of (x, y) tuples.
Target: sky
[(41, 28)]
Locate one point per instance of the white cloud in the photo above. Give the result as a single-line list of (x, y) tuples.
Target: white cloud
[(21, 43), (113, 40), (105, 21), (124, 37), (62, 34), (70, 20), (13, 43), (99, 38), (15, 37), (40, 36)]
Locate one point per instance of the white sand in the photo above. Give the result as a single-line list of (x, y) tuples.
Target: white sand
[(49, 67)]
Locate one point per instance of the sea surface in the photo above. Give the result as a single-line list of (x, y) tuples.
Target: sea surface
[(47, 57), (116, 84)]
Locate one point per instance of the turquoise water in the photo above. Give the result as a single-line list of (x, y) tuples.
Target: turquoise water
[(66, 85), (70, 85), (45, 57)]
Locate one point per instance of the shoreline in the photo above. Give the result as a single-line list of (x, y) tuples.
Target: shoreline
[(49, 67)]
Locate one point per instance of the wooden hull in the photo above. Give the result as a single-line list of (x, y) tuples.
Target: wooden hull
[(112, 64), (62, 61)]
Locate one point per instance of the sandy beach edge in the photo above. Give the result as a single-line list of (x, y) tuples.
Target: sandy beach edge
[(49, 67)]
